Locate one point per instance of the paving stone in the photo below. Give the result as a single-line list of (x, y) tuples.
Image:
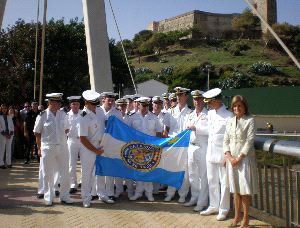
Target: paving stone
[(19, 207)]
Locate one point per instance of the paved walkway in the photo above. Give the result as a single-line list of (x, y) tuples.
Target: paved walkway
[(20, 208)]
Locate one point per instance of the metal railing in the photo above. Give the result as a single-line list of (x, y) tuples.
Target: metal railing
[(278, 195)]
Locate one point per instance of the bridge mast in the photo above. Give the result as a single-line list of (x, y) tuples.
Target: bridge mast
[(2, 8), (97, 45)]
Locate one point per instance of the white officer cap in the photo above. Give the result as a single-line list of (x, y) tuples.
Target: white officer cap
[(143, 100), (121, 101), (157, 99), (74, 98), (54, 97), (197, 93), (172, 96), (128, 97), (180, 90), (109, 94), (136, 96), (212, 94), (166, 96), (91, 96)]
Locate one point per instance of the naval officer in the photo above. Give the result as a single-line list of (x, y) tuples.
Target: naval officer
[(106, 184), (50, 131), (178, 122), (74, 144), (148, 123), (218, 116), (197, 122), (91, 130)]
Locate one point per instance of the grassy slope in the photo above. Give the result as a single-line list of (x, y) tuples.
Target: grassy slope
[(219, 57)]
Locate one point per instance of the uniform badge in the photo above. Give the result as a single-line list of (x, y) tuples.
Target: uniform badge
[(140, 156)]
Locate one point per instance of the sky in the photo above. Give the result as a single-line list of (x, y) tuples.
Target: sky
[(134, 15)]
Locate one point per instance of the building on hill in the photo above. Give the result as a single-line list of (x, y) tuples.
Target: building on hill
[(279, 105), (152, 88), (213, 23), (268, 10)]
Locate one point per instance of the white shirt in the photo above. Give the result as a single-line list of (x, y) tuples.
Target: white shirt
[(74, 120), (200, 122), (178, 119), (51, 127), (10, 124), (92, 126), (112, 112), (164, 119), (126, 119), (217, 120), (148, 124)]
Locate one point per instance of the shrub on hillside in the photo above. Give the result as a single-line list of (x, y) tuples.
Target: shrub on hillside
[(142, 70), (167, 70), (191, 77), (263, 68), (236, 47), (236, 80)]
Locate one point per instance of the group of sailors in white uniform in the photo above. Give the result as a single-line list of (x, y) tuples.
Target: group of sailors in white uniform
[(64, 137)]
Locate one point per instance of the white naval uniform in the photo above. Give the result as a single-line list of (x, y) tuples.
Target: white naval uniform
[(5, 143), (52, 129), (197, 158), (178, 123), (74, 145), (219, 196), (91, 126), (164, 119), (105, 184), (148, 124), (128, 182)]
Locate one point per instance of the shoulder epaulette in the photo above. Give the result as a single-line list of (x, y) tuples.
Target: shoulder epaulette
[(83, 113), (131, 113), (42, 112)]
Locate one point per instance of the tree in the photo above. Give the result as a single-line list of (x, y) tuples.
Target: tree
[(65, 65), (247, 24), (141, 37), (159, 41), (119, 68), (289, 34), (128, 46)]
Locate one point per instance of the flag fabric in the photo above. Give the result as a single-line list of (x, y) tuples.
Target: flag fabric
[(131, 154)]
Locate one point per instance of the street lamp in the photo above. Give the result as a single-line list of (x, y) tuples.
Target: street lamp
[(207, 68)]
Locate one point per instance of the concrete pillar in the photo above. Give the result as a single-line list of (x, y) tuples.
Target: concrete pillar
[(97, 45), (2, 9)]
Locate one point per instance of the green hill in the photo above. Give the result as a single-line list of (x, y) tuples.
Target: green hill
[(222, 60)]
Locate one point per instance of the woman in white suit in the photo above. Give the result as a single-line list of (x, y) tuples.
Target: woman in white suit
[(6, 137), (239, 151)]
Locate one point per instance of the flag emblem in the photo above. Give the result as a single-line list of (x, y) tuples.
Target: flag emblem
[(140, 156)]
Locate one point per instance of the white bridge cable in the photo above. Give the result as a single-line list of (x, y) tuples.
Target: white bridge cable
[(36, 50), (121, 40), (287, 50)]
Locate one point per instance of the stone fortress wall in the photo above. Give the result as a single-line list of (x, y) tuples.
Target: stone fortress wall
[(212, 23)]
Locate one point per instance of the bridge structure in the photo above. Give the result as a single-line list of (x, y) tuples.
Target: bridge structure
[(276, 204)]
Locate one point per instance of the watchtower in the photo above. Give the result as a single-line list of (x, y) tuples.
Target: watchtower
[(268, 10)]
